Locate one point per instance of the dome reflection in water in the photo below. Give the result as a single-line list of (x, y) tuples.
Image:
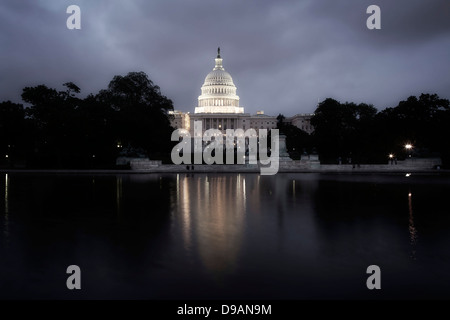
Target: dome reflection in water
[(224, 236)]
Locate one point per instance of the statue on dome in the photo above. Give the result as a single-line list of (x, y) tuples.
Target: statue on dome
[(218, 52)]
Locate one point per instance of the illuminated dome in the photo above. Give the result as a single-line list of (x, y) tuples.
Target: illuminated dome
[(218, 92), (218, 77)]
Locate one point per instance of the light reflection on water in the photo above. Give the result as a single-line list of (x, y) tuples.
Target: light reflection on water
[(412, 228), (221, 218), (6, 215), (289, 236), (210, 215)]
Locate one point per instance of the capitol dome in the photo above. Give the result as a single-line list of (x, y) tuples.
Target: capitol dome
[(218, 92), (218, 77)]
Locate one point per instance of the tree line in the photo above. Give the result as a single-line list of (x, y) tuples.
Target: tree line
[(358, 133), (60, 130)]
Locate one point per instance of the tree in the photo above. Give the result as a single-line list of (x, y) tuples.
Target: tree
[(77, 133), (53, 114), (280, 121), (422, 121), (341, 130), (13, 133), (330, 121), (297, 140), (140, 113)]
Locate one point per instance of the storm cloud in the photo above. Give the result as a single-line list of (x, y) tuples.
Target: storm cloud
[(284, 56)]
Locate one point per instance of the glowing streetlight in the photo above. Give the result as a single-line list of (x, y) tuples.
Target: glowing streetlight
[(391, 158), (408, 148)]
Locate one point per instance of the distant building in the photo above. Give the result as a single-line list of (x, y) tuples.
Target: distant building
[(301, 121), (218, 108)]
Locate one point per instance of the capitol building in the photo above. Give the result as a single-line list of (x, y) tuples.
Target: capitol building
[(218, 108)]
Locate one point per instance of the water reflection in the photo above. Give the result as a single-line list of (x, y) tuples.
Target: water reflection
[(218, 216), (119, 195), (224, 236), (210, 211), (412, 228), (6, 216), (184, 208), (6, 194), (293, 188)]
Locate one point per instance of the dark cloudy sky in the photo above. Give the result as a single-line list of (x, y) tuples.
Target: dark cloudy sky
[(283, 55)]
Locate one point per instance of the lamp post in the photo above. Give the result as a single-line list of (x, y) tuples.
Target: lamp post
[(408, 148), (391, 158)]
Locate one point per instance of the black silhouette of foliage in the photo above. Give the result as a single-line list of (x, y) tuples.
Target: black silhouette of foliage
[(60, 130), (358, 132)]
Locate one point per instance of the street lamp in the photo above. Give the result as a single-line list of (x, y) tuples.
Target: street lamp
[(391, 158), (408, 148)]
